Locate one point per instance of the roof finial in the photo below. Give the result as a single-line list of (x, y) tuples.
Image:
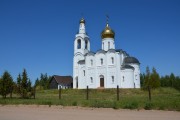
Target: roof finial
[(82, 19), (107, 20)]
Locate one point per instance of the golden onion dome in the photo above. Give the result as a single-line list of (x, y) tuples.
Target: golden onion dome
[(107, 32), (82, 20)]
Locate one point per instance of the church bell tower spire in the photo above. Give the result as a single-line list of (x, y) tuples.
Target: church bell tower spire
[(82, 29)]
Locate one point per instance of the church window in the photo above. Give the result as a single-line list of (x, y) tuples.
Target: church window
[(101, 61), (103, 45), (91, 80), (123, 78), (84, 72), (112, 79), (136, 77), (91, 62), (112, 59), (108, 45), (79, 44), (86, 44)]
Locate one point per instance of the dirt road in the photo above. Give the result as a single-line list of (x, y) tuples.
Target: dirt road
[(34, 112)]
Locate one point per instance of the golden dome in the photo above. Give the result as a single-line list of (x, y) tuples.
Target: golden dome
[(82, 20), (107, 32)]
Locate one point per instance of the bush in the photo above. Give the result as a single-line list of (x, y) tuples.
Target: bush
[(148, 106), (115, 105), (74, 103), (132, 105)]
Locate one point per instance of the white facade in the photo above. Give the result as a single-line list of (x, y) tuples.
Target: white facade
[(106, 68)]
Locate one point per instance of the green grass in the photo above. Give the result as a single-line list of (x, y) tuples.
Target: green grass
[(162, 99)]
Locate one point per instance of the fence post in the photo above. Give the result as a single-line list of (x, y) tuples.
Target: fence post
[(59, 92), (87, 93), (117, 92), (11, 93), (149, 90), (34, 92)]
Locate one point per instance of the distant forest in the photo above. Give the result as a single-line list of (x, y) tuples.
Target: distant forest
[(23, 86)]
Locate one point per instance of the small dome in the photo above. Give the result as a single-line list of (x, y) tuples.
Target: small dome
[(107, 32), (131, 60), (82, 20)]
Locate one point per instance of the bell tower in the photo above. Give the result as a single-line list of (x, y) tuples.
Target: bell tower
[(81, 42), (81, 47)]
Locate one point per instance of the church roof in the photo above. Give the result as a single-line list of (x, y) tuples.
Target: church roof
[(65, 80), (81, 62), (127, 67), (131, 60), (111, 50), (101, 51), (90, 53)]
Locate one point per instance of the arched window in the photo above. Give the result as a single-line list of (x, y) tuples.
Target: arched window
[(112, 79), (108, 45), (86, 44), (84, 72), (101, 61), (103, 46), (91, 62), (112, 59), (79, 44), (91, 80)]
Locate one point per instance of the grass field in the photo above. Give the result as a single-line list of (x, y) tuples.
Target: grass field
[(162, 99)]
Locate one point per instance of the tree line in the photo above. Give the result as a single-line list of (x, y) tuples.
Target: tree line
[(152, 79), (23, 85)]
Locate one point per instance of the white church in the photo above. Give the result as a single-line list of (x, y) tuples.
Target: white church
[(106, 68)]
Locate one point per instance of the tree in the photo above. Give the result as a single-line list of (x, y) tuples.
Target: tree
[(172, 79), (147, 78), (43, 82), (142, 79), (152, 80), (6, 84), (176, 83), (24, 85)]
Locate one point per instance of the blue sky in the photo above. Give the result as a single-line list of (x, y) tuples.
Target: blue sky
[(38, 35)]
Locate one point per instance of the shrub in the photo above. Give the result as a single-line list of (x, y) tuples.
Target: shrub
[(74, 103), (148, 106), (132, 105), (115, 105)]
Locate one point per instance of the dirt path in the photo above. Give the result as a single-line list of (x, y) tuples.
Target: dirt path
[(34, 112)]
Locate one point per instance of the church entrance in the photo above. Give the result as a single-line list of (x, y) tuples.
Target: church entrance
[(101, 81)]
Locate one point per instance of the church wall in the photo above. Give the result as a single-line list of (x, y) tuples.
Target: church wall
[(112, 77), (82, 77), (111, 70), (127, 80), (100, 69), (78, 56), (136, 75), (118, 63), (90, 69)]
